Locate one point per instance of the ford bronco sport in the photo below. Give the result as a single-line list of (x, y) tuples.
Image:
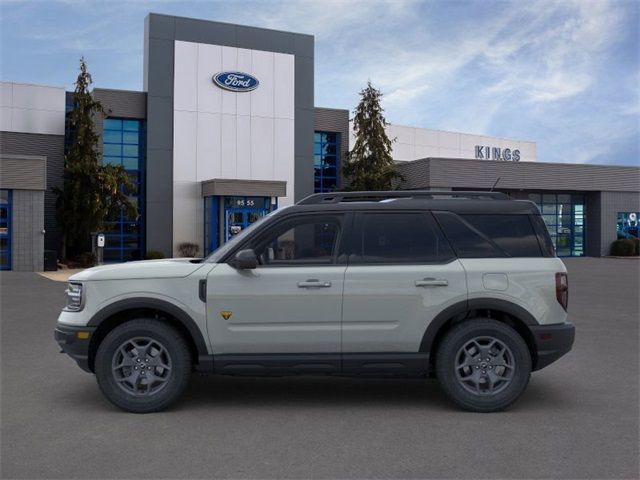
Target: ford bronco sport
[(463, 286)]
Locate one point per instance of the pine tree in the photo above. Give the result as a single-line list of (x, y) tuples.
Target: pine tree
[(91, 191), (369, 165)]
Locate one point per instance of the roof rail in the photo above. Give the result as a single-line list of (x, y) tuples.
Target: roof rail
[(373, 196)]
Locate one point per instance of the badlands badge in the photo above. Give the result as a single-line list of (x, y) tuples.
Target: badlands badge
[(226, 314)]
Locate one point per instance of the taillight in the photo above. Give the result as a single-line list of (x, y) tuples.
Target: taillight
[(562, 289)]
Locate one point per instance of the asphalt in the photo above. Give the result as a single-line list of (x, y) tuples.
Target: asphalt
[(578, 418)]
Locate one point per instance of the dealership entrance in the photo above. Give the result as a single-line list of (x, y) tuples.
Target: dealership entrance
[(232, 205), (564, 215), (225, 217)]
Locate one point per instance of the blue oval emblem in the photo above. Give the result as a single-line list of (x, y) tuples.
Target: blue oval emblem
[(236, 81)]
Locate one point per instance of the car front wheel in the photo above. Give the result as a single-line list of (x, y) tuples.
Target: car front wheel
[(143, 365), (483, 365)]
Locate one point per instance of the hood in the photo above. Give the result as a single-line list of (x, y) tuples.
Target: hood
[(165, 268)]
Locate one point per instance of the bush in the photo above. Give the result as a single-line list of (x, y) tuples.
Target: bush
[(188, 249), (86, 260), (636, 241), (623, 248), (153, 255)]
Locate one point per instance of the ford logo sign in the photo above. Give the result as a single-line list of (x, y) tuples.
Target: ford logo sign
[(236, 81)]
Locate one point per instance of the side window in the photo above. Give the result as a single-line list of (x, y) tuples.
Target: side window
[(303, 241), (512, 233), (396, 238), (543, 236), (465, 239)]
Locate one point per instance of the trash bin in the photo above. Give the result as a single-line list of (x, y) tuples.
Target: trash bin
[(50, 260)]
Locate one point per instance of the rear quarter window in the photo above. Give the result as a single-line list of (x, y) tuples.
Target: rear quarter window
[(490, 235), (514, 234)]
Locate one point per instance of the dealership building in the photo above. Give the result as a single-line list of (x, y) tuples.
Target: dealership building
[(226, 130)]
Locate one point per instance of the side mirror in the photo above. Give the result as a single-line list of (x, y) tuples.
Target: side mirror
[(245, 260)]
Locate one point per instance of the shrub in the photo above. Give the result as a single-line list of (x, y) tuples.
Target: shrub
[(623, 248), (153, 255), (636, 242), (86, 260), (188, 249)]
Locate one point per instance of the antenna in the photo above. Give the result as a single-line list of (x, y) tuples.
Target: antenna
[(496, 183)]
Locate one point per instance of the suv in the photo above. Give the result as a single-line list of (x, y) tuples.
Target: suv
[(463, 286)]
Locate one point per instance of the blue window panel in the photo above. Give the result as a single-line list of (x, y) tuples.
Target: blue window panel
[(123, 144), (112, 150), (131, 125), (112, 160), (112, 124), (326, 161), (130, 151), (130, 163), (112, 136), (130, 138)]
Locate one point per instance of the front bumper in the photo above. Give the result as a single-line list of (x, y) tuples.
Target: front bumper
[(75, 341), (552, 342)]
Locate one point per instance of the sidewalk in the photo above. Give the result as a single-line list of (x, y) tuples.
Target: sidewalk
[(60, 275)]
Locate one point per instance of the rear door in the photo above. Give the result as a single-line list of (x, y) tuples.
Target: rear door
[(401, 274)]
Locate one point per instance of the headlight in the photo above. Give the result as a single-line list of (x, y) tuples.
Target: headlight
[(74, 297)]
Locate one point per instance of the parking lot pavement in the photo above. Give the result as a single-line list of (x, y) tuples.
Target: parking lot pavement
[(578, 419)]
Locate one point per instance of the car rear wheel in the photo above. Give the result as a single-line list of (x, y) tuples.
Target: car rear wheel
[(143, 365), (483, 365)]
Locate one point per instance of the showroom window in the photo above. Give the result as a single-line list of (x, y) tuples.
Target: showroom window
[(564, 216), (627, 225), (124, 144), (326, 161), (5, 229)]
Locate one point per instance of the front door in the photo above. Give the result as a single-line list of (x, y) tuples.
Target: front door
[(291, 303), (401, 275)]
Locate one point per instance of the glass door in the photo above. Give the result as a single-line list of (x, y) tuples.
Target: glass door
[(240, 212), (5, 229), (564, 215)]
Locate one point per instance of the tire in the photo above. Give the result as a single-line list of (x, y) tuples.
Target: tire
[(143, 365), (471, 365)]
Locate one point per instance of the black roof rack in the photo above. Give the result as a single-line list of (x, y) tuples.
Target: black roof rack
[(337, 197)]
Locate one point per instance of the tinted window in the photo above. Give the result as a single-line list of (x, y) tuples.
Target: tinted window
[(306, 240), (466, 241), (543, 236), (512, 233), (402, 238)]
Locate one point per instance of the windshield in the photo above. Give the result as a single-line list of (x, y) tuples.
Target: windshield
[(216, 255)]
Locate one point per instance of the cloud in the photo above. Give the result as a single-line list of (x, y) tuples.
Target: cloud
[(562, 73)]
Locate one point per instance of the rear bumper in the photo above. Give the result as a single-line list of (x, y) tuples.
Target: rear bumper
[(552, 342), (73, 345)]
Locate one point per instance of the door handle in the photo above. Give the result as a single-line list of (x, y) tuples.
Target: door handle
[(313, 283), (432, 282)]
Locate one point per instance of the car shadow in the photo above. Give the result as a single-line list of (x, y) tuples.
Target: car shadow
[(222, 392)]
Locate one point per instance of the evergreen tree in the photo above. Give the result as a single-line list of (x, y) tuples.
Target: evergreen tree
[(92, 191), (369, 165)]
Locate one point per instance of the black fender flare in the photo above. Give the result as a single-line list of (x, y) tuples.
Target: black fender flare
[(462, 308), (154, 304)]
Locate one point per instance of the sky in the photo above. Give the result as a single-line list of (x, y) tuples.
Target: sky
[(565, 74)]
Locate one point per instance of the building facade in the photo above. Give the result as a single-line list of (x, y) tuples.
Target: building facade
[(226, 130)]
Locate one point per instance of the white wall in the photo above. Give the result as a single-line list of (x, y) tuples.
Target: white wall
[(223, 134), (414, 143), (28, 108)]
